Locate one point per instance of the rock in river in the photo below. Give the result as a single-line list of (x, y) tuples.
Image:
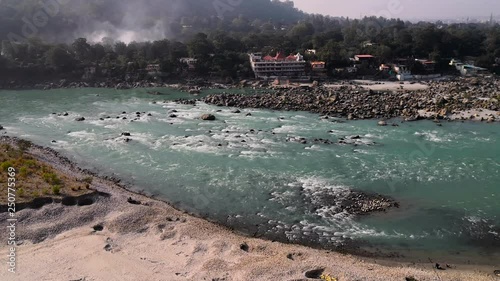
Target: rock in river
[(208, 117)]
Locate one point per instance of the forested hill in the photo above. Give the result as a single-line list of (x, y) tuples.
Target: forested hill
[(137, 19)]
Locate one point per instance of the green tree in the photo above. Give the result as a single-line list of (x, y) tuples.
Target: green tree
[(59, 58)]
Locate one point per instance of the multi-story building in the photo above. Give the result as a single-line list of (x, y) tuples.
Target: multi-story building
[(269, 67)]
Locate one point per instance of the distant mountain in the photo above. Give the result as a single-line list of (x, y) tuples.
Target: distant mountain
[(134, 19)]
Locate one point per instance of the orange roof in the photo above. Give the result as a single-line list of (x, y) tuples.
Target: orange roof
[(364, 56)]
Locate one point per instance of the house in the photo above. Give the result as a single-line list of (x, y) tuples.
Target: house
[(385, 67), (278, 66), (364, 61), (369, 44), (467, 69), (190, 62), (428, 65), (153, 68), (364, 58), (318, 65), (403, 73), (318, 69), (310, 52)]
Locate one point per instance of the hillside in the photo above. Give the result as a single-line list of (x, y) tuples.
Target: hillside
[(136, 20)]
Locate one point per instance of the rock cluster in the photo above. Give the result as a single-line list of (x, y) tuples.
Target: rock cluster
[(442, 98)]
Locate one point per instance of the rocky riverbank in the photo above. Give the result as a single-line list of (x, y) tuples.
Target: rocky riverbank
[(149, 240), (441, 100)]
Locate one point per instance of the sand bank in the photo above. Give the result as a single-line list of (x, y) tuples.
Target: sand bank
[(126, 236)]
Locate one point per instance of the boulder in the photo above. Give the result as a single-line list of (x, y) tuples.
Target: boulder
[(244, 247), (132, 201), (314, 274), (443, 112), (80, 119), (382, 123), (208, 117)]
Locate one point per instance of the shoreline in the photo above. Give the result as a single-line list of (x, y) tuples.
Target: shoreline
[(143, 223), (458, 99)]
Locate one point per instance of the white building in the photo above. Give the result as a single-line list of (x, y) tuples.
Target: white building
[(402, 72), (190, 62), (269, 67), (311, 52), (468, 69)]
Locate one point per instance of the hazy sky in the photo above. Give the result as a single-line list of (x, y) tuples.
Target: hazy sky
[(406, 9)]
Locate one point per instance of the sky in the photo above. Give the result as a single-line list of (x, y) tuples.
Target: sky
[(404, 9)]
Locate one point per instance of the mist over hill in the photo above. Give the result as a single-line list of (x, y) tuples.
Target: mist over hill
[(135, 20)]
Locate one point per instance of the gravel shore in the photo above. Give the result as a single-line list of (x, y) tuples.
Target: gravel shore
[(448, 100), (126, 236)]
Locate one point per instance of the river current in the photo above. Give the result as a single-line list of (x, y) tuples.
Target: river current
[(249, 170)]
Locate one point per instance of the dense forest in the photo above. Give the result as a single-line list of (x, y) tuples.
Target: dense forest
[(221, 40)]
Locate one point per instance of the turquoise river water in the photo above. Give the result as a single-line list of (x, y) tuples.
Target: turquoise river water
[(241, 170)]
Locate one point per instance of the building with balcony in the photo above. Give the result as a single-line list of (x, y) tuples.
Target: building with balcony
[(269, 67)]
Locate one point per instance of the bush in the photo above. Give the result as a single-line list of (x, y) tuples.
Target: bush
[(35, 194), (23, 172), (6, 147), (30, 164), (6, 165), (51, 178), (56, 189), (88, 180), (20, 192)]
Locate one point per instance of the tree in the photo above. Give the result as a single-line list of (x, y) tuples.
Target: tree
[(98, 52), (200, 47), (82, 50), (59, 58), (120, 48)]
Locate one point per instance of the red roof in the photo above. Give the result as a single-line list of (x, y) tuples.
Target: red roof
[(268, 58), (291, 57), (279, 55)]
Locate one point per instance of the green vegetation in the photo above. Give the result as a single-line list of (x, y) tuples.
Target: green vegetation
[(6, 165), (51, 178), (56, 189), (221, 44), (35, 178)]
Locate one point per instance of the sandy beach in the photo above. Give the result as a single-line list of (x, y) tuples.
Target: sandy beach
[(127, 236), (383, 86)]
